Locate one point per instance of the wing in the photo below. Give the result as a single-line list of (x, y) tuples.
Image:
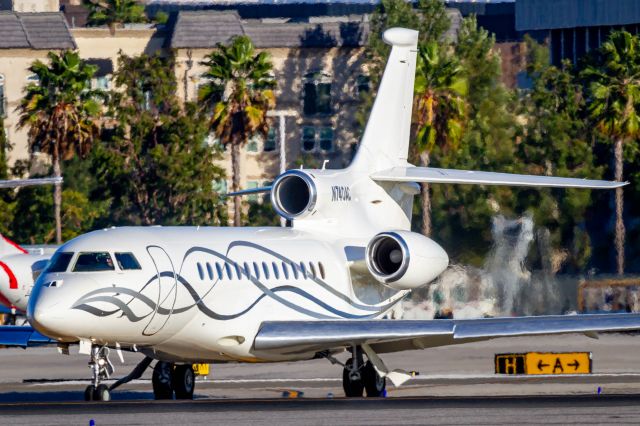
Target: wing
[(290, 337), (434, 175), (22, 336), (17, 183)]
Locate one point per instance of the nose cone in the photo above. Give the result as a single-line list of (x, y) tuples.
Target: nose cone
[(43, 311)]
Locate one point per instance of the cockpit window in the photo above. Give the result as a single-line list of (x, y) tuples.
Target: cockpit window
[(127, 261), (93, 262), (59, 262)]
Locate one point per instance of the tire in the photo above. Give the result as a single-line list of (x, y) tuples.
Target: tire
[(373, 383), (102, 393), (161, 380), (352, 388), (184, 381), (88, 393)]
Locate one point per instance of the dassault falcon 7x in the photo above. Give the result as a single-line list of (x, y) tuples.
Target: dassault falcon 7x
[(183, 295)]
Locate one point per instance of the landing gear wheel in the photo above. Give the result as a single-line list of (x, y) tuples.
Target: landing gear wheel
[(88, 393), (352, 381), (184, 380), (161, 380), (373, 383), (102, 393)]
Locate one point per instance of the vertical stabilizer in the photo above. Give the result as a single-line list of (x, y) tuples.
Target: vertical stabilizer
[(385, 142)]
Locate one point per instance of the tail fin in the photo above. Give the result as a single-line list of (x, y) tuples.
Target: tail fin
[(8, 247), (385, 142)]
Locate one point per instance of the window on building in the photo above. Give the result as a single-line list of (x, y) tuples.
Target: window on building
[(270, 143), (102, 82), (253, 198), (326, 139), (220, 186), (33, 78), (3, 101), (317, 139), (317, 93), (363, 83)]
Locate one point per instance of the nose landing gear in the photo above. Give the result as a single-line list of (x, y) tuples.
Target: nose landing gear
[(102, 369)]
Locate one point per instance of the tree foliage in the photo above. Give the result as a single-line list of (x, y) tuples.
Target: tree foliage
[(114, 12), (238, 94), (154, 163)]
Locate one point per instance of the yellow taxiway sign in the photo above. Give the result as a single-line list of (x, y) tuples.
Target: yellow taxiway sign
[(544, 363)]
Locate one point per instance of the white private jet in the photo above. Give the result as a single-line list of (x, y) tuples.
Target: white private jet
[(183, 295), (19, 268)]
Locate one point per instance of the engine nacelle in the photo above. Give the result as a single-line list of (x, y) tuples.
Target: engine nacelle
[(405, 260), (298, 194)]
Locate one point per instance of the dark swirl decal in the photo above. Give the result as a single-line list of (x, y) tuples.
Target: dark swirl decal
[(113, 296)]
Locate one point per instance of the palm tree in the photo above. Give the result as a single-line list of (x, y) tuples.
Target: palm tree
[(613, 97), (238, 92), (114, 12), (440, 109), (60, 112)]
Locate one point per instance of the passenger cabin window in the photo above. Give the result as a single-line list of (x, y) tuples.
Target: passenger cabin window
[(227, 268), (246, 270), (265, 268), (276, 273), (94, 262), (312, 269), (237, 268), (219, 270), (60, 262), (127, 261), (285, 270), (294, 268), (209, 271), (256, 270), (304, 270), (200, 272), (321, 267)]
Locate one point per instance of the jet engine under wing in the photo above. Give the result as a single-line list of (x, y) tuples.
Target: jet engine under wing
[(22, 336), (286, 337), (435, 175)]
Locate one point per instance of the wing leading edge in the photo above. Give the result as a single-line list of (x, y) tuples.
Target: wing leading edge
[(395, 335), (435, 175)]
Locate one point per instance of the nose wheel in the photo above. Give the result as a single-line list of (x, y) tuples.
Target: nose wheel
[(102, 369)]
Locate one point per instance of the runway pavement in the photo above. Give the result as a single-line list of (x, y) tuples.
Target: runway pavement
[(455, 385)]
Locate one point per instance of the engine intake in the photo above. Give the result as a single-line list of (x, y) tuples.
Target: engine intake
[(405, 260), (294, 194)]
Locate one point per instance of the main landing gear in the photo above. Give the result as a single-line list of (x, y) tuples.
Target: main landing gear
[(359, 376), (167, 379)]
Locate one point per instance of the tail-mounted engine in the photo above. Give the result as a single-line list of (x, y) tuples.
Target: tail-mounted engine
[(405, 260)]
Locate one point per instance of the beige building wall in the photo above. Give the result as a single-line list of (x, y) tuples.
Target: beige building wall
[(341, 66), (36, 5), (14, 71)]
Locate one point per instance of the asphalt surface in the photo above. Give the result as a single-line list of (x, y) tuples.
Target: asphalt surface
[(454, 385)]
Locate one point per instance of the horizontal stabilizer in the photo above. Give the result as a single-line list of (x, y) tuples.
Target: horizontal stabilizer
[(248, 191), (18, 183), (22, 336), (471, 177)]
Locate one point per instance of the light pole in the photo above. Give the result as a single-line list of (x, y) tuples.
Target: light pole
[(282, 115)]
